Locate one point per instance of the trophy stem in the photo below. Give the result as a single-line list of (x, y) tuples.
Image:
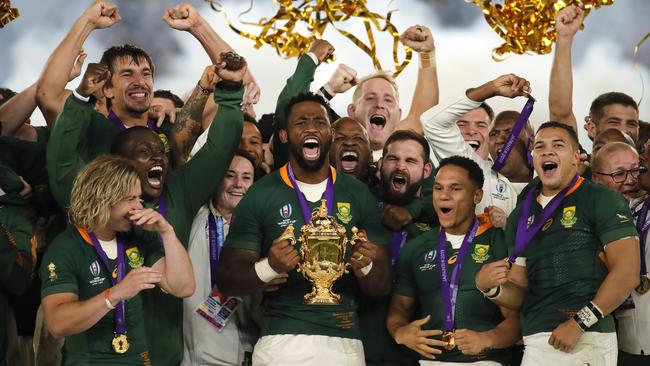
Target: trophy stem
[(321, 294)]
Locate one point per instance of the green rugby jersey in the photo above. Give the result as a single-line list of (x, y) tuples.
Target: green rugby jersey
[(565, 261), (418, 276), (268, 207), (72, 265)]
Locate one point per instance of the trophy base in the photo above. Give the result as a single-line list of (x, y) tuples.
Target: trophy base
[(322, 296)]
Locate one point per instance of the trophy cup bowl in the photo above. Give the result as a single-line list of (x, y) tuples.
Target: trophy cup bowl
[(322, 248)]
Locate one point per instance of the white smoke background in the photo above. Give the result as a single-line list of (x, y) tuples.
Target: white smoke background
[(602, 52)]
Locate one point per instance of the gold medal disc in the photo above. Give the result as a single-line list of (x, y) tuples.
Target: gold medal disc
[(448, 338), (644, 285), (120, 343)]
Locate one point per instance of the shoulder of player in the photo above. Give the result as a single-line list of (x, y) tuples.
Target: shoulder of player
[(68, 243), (426, 239)]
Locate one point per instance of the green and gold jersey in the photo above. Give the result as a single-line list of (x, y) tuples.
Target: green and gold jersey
[(418, 276), (565, 261), (271, 205), (71, 265)]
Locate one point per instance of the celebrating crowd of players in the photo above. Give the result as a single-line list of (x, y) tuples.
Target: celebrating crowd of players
[(142, 229)]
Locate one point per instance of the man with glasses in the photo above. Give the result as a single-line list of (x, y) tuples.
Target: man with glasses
[(616, 166)]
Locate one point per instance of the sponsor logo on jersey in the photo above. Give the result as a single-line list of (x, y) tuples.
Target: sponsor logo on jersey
[(481, 254), (568, 217), (95, 268), (452, 259), (135, 259), (343, 212), (422, 226), (285, 211), (52, 268), (622, 218), (547, 224)]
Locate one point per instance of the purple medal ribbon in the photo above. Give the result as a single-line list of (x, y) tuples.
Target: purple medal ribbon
[(525, 233), (642, 226), (216, 239), (449, 286), (512, 138), (162, 207), (399, 239), (151, 124), (329, 194), (120, 308)]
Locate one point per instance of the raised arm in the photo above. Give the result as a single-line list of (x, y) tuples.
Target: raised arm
[(187, 127), (560, 94), (426, 93), (16, 111), (185, 17), (50, 90)]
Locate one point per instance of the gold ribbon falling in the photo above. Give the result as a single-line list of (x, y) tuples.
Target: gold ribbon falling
[(7, 13), (527, 26), (638, 67), (280, 30)]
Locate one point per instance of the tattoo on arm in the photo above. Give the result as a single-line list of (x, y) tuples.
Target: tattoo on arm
[(188, 125)]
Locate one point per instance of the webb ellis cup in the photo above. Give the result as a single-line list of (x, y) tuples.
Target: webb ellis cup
[(323, 245)]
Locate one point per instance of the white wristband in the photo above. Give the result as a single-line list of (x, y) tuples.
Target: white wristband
[(313, 58), (264, 271), (491, 292), (81, 98), (365, 270), (109, 305)]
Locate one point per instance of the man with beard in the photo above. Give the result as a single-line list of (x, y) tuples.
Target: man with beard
[(350, 152), (616, 166), (435, 274), (632, 316), (94, 272), (609, 110), (574, 258), (462, 129), (231, 341), (257, 252), (404, 168)]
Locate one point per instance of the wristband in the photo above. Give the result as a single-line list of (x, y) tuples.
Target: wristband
[(264, 271), (428, 60), (492, 293), (588, 316), (79, 96), (204, 90), (365, 270), (325, 93), (107, 293), (313, 58)]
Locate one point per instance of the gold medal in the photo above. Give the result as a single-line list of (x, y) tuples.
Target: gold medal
[(120, 343), (644, 285), (448, 338)]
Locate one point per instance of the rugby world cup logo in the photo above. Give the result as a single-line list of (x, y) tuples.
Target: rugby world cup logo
[(286, 211), (94, 268)]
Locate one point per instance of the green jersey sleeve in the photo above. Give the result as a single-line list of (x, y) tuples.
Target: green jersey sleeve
[(612, 217), (377, 233), (297, 84), (246, 230), (58, 270)]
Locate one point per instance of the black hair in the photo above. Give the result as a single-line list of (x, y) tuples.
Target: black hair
[(137, 54), (474, 171), (305, 97), (603, 100), (167, 94), (265, 125), (406, 135), (572, 133), (6, 94), (120, 141)]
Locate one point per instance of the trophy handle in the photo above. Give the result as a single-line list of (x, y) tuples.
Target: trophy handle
[(288, 235), (355, 236)]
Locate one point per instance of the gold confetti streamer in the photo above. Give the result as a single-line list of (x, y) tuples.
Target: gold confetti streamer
[(527, 26), (280, 30), (7, 13), (638, 67)]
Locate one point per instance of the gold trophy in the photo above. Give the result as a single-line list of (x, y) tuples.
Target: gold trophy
[(322, 251)]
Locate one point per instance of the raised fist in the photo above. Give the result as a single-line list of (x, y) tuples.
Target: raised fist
[(183, 17), (343, 78), (322, 49), (511, 86), (232, 67), (568, 21), (102, 15), (418, 38)]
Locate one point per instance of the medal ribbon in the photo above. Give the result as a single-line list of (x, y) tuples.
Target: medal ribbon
[(642, 226), (514, 133), (120, 308), (524, 233), (216, 239), (329, 194), (151, 124), (399, 239), (449, 286)]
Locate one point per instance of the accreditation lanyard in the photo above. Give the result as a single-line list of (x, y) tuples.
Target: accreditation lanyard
[(449, 286), (642, 226), (514, 134), (304, 207), (398, 242), (526, 233), (120, 308), (216, 238), (151, 124)]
